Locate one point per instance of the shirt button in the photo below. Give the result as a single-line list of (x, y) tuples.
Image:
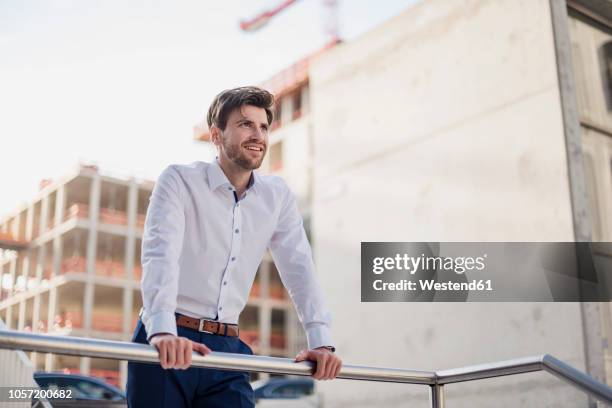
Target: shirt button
[(225, 283), (237, 204), (237, 230), (233, 258), (221, 308), (229, 188)]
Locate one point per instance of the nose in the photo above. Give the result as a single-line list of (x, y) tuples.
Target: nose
[(259, 134)]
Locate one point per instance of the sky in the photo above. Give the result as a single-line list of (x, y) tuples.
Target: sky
[(121, 84)]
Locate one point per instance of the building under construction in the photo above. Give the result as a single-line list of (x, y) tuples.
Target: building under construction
[(478, 121), (455, 121), (70, 265)]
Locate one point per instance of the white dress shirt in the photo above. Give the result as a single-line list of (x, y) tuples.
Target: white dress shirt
[(201, 249)]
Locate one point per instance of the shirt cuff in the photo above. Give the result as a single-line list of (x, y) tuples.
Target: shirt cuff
[(160, 322), (318, 335)]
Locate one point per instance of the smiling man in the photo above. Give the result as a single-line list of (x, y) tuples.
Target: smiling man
[(208, 226)]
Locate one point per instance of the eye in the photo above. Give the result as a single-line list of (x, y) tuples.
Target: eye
[(245, 124)]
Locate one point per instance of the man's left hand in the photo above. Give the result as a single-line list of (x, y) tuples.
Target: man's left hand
[(328, 364)]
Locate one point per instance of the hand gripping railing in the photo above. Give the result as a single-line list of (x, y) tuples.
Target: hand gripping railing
[(117, 350)]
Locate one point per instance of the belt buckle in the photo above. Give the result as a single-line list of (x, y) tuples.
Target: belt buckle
[(201, 327)]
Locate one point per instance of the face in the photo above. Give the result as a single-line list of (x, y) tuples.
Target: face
[(244, 141)]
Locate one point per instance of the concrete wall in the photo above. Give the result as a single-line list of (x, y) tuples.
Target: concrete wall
[(594, 101), (296, 138), (444, 124), (16, 370)]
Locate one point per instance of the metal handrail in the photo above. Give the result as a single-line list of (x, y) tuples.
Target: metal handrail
[(118, 350)]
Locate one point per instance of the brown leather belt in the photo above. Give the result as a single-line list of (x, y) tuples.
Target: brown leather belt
[(208, 326)]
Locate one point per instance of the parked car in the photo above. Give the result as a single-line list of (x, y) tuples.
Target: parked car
[(286, 392), (86, 391)]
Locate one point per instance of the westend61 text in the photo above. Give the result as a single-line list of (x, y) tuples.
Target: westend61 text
[(432, 285)]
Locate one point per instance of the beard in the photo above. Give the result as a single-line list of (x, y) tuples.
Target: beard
[(239, 157)]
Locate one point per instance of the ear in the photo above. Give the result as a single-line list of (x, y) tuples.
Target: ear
[(215, 135)]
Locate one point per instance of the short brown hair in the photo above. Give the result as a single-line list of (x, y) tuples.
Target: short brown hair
[(231, 99)]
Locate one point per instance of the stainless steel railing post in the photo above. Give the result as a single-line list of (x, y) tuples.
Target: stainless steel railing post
[(436, 396)]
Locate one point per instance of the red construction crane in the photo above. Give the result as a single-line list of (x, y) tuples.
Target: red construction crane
[(260, 20)]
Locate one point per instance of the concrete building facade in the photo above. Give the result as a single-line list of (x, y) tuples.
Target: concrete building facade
[(462, 121)]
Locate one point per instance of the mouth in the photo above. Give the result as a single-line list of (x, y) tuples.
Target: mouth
[(254, 148)]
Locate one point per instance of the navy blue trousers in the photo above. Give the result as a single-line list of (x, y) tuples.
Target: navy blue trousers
[(149, 385)]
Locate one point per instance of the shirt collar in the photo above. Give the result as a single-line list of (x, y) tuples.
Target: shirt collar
[(217, 178), (254, 181)]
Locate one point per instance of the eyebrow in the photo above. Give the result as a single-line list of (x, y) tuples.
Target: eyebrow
[(245, 120)]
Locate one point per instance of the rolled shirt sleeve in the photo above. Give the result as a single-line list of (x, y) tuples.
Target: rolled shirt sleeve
[(161, 248), (293, 257)]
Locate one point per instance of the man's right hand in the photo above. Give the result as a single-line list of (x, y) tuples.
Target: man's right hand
[(175, 351)]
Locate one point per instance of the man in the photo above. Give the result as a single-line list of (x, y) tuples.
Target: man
[(207, 228)]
